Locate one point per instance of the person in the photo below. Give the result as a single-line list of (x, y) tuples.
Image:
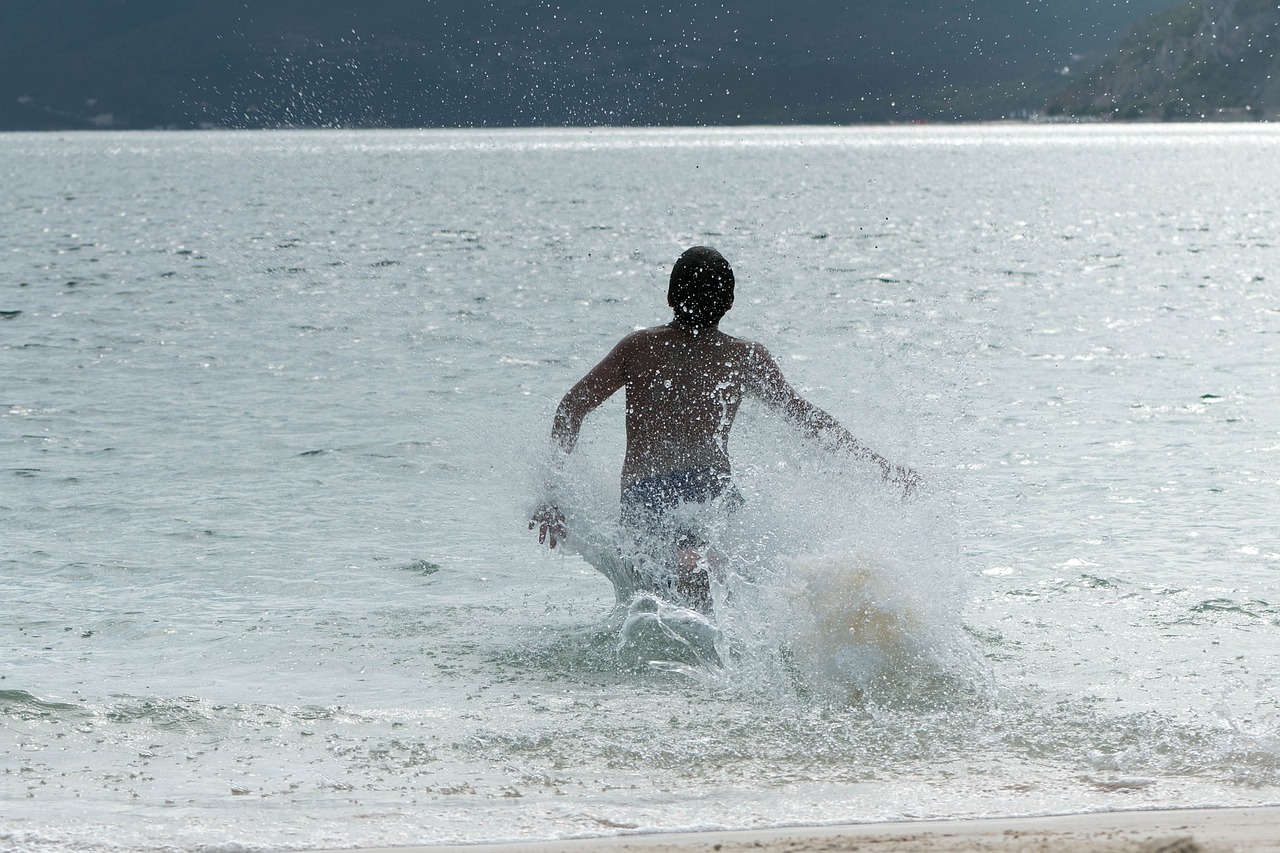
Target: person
[(684, 382)]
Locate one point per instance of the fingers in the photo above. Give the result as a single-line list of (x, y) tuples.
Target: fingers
[(908, 479), (550, 524)]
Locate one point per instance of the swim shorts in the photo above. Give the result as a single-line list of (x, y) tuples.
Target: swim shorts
[(651, 498), (668, 518)]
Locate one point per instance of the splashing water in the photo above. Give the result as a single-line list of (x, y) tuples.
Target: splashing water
[(828, 584)]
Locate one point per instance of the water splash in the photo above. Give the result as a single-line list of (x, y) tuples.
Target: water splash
[(826, 586)]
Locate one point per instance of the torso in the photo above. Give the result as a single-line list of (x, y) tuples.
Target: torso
[(683, 389)]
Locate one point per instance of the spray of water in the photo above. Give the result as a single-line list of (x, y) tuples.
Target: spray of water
[(827, 585)]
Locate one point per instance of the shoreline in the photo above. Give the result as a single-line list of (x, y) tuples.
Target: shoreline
[(1193, 830)]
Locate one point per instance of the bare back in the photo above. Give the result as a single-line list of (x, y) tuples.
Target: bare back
[(683, 387)]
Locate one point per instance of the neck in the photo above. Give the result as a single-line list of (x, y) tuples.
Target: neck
[(677, 323)]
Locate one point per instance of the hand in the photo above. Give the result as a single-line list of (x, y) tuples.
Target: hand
[(907, 478), (550, 523)]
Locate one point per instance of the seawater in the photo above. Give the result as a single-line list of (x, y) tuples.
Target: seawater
[(273, 411)]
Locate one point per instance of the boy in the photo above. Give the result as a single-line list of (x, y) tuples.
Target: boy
[(684, 382)]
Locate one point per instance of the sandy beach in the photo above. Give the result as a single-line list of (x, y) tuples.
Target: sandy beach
[(1168, 831)]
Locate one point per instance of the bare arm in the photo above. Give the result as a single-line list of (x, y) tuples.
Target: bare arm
[(826, 431), (600, 383)]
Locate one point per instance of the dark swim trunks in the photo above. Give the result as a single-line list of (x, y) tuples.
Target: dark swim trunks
[(668, 518), (646, 501)]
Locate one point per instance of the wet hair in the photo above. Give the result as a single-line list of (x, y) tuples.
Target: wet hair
[(701, 287)]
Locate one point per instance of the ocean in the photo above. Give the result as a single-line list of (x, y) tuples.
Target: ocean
[(274, 410)]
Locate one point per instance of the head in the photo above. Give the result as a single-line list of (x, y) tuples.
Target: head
[(701, 287)]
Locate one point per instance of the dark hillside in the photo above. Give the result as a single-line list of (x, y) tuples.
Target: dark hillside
[(1206, 59)]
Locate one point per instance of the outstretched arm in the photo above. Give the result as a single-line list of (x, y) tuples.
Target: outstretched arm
[(600, 383), (819, 426)]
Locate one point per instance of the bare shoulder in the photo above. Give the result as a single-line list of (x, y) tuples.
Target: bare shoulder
[(641, 339), (751, 351), (635, 349), (649, 334)]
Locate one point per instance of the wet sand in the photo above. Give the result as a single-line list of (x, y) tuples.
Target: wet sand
[(1167, 831)]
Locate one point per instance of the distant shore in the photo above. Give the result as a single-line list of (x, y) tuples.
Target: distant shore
[(1163, 831), (1220, 117)]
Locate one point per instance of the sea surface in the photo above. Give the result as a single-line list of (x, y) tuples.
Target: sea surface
[(274, 410)]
